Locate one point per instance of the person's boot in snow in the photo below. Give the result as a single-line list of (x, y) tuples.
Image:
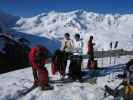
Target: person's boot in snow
[(47, 87)]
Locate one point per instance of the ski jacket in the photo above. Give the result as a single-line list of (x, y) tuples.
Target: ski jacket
[(32, 58), (128, 89), (43, 77), (77, 47), (90, 47)]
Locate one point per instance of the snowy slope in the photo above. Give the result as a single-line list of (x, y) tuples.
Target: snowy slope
[(12, 85), (106, 28)]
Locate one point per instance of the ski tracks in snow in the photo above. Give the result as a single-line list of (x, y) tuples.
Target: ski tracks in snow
[(21, 81)]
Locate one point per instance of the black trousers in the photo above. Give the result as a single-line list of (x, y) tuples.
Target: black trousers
[(91, 58), (67, 56), (35, 76), (75, 67)]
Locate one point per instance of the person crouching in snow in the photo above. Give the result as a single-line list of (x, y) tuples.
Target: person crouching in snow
[(76, 59), (58, 63), (37, 59), (125, 89)]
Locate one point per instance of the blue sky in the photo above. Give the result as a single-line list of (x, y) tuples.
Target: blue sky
[(28, 8)]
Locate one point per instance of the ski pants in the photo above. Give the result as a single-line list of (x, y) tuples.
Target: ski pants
[(91, 58), (75, 67), (67, 56), (40, 76), (35, 76)]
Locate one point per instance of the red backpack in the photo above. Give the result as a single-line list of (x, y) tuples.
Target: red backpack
[(40, 54)]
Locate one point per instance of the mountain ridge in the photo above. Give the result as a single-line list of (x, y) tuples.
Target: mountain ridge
[(106, 28)]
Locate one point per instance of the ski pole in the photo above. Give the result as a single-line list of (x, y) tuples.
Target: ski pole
[(110, 52), (110, 60), (102, 58), (115, 47)]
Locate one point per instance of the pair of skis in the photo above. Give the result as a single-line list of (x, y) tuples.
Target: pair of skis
[(26, 90)]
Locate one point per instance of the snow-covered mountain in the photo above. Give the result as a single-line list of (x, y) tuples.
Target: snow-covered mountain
[(7, 21), (106, 28)]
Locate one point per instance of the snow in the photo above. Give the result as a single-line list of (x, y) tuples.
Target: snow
[(13, 83), (19, 80), (48, 29)]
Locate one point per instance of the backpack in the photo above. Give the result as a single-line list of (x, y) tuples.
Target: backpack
[(59, 58), (39, 56)]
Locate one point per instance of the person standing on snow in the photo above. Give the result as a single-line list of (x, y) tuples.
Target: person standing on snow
[(90, 51), (76, 59), (58, 63), (67, 46), (37, 58)]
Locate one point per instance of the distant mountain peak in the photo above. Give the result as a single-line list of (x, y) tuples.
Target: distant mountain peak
[(53, 25)]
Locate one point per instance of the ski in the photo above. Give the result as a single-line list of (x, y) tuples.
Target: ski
[(61, 81), (23, 93)]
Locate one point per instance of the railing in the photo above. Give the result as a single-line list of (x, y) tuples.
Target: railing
[(109, 53)]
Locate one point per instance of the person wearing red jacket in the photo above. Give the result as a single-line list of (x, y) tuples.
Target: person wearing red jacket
[(90, 51), (37, 59)]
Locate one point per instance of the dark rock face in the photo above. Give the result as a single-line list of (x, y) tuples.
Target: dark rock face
[(13, 54)]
